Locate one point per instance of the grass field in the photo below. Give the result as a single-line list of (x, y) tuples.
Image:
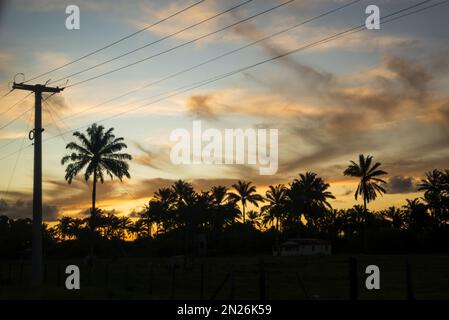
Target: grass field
[(238, 277)]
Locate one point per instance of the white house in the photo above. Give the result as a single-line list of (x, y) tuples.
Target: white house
[(301, 247)]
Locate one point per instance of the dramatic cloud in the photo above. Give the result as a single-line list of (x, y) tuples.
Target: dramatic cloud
[(24, 209), (411, 74), (200, 106), (147, 157), (401, 184), (382, 93)]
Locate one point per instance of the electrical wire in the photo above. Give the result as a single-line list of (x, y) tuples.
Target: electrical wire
[(153, 42), (222, 76), (5, 194), (179, 46), (211, 60), (117, 41)]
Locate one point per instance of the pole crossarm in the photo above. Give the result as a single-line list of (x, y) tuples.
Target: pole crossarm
[(36, 87)]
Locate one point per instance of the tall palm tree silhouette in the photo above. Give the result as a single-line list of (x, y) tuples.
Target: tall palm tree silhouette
[(369, 185), (245, 192), (99, 153), (276, 197)]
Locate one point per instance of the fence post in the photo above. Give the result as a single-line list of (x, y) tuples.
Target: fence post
[(408, 280), (106, 275), (45, 273), (89, 274), (232, 283), (353, 278), (58, 275), (150, 280), (262, 284), (21, 273), (10, 274), (172, 294), (202, 281), (126, 277)]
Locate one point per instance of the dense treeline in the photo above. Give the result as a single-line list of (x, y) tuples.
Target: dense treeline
[(178, 218)]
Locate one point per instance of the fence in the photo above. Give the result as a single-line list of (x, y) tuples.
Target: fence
[(262, 280)]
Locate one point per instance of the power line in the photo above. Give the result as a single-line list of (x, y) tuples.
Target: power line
[(8, 143), (117, 41), (51, 111), (15, 119), (51, 115), (5, 194), (181, 45), (311, 45), (213, 59), (56, 114), (225, 75), (257, 41), (15, 104), (6, 94), (153, 42)]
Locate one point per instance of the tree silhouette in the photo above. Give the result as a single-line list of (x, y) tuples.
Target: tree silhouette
[(308, 195), (223, 209), (245, 192), (369, 185), (99, 153), (63, 227), (436, 194), (254, 219), (395, 216), (416, 214), (276, 196)]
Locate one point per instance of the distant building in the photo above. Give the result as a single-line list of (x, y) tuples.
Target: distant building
[(303, 247)]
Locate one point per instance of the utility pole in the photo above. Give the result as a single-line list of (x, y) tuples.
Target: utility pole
[(36, 238)]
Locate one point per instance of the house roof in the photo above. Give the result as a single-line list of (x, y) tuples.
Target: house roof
[(305, 241)]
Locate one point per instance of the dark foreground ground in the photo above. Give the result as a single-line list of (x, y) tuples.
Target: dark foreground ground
[(238, 277)]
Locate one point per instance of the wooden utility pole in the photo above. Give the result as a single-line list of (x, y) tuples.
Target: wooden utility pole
[(36, 238)]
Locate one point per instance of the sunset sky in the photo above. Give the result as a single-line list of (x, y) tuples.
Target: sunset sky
[(380, 92)]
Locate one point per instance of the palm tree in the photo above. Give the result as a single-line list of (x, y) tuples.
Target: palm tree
[(254, 219), (369, 185), (223, 209), (436, 194), (165, 198), (276, 197), (395, 216), (149, 216), (417, 216), (219, 194), (99, 153), (64, 227), (308, 195), (125, 227), (245, 192), (183, 193)]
